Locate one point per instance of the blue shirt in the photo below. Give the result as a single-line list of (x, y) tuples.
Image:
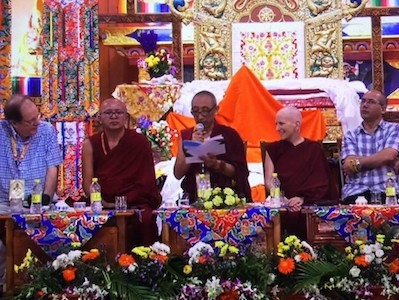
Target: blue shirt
[(361, 143), (43, 152)]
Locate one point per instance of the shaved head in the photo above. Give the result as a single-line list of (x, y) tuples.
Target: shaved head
[(291, 113), (288, 124), (114, 103)]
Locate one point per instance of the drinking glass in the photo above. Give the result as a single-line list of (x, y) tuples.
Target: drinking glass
[(16, 205), (184, 200), (375, 198), (120, 203)]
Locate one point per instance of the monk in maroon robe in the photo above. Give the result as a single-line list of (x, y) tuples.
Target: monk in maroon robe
[(122, 161), (225, 170), (302, 169)]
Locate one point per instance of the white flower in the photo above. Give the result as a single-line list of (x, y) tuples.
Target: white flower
[(74, 254), (213, 288), (366, 250), (195, 251), (379, 253), (132, 268), (310, 248), (56, 264), (63, 261), (160, 248), (369, 257), (297, 258), (354, 271)]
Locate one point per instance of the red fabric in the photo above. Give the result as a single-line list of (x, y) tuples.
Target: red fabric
[(250, 109), (127, 169), (235, 155), (303, 171)]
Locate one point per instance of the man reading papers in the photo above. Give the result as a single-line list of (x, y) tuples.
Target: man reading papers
[(226, 168)]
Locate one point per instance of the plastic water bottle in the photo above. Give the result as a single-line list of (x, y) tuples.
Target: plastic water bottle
[(36, 198), (390, 190), (203, 182), (275, 193), (95, 196)]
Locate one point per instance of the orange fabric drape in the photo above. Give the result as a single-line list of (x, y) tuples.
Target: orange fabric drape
[(250, 109)]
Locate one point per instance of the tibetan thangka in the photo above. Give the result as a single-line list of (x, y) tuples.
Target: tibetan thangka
[(270, 50)]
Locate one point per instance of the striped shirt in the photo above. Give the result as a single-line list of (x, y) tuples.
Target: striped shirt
[(43, 152), (361, 143)]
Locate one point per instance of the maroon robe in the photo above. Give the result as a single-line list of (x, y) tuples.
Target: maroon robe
[(128, 169), (303, 172), (235, 155)]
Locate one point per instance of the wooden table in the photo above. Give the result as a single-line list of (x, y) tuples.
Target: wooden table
[(112, 237), (320, 232), (268, 237)]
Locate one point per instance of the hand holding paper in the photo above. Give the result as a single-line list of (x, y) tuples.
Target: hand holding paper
[(194, 149)]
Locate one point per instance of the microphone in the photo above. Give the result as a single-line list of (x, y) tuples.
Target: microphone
[(199, 127)]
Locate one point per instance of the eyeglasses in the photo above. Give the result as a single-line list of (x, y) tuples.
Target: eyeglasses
[(110, 113), (33, 121), (205, 111), (369, 102)]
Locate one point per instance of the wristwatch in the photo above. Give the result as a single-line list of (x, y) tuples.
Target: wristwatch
[(358, 165)]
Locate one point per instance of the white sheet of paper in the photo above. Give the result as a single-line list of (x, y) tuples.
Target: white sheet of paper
[(194, 149)]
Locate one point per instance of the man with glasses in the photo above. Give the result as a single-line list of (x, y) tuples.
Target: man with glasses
[(370, 151), (122, 161), (226, 170), (29, 149)]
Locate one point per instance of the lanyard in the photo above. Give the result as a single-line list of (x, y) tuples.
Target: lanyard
[(18, 157)]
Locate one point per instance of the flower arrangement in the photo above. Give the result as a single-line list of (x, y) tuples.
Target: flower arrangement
[(156, 63), (159, 134), (219, 198), (224, 272), (219, 272), (141, 274), (291, 252), (364, 267)]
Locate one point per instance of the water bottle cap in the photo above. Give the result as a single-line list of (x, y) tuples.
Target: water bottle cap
[(37, 180), (95, 179), (274, 174)]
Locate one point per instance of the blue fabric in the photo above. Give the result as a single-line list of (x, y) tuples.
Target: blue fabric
[(239, 226), (359, 142), (54, 231), (43, 152)]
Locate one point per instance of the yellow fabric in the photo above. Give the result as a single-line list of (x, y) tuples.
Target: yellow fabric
[(250, 109)]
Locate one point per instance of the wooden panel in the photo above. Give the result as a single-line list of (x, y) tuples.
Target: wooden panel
[(320, 232)]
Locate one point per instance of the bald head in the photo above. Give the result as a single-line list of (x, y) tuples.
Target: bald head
[(114, 103), (291, 113), (288, 124), (113, 115)]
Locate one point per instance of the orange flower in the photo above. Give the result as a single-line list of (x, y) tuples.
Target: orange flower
[(305, 256), (229, 295), (202, 259), (126, 260), (93, 254), (69, 274), (393, 267), (159, 257), (361, 261), (40, 293), (286, 265)]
